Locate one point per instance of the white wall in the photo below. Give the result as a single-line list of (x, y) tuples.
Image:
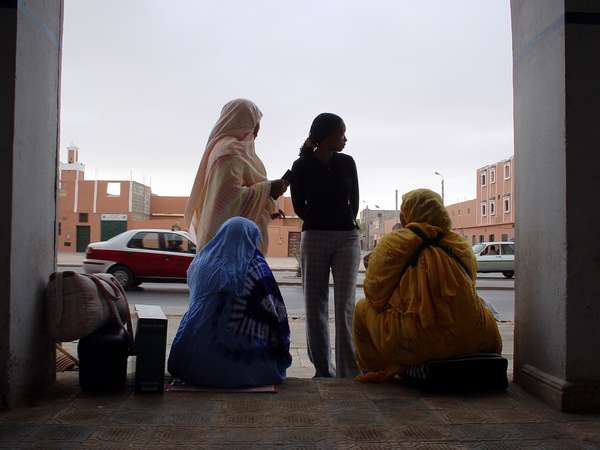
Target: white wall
[(32, 40), (557, 140)]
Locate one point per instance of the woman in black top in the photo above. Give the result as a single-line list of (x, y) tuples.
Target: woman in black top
[(325, 196)]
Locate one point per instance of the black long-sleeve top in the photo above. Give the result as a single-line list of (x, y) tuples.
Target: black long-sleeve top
[(325, 195)]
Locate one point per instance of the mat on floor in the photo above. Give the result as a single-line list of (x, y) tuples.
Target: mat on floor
[(65, 362), (176, 385)]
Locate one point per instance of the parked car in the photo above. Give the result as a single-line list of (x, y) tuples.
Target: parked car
[(136, 256), (496, 257)]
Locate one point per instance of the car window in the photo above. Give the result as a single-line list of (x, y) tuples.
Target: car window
[(145, 239), (508, 249), (492, 250), (477, 248), (178, 243)]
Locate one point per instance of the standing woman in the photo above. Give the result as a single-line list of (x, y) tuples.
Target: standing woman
[(325, 197), (232, 180)]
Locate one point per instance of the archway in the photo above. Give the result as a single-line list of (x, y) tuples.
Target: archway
[(555, 99)]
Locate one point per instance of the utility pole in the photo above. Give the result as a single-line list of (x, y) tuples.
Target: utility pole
[(367, 221), (442, 176)]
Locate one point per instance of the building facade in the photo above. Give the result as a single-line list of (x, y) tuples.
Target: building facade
[(96, 210), (374, 224), (491, 216)]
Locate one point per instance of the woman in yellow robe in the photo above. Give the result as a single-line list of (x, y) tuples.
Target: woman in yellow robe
[(421, 302)]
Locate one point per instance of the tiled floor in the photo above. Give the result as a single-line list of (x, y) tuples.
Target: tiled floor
[(305, 414)]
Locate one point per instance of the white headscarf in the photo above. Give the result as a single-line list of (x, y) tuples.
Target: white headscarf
[(233, 134)]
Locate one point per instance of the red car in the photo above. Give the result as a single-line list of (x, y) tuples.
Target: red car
[(136, 256)]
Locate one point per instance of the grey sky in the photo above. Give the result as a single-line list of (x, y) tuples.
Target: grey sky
[(422, 86)]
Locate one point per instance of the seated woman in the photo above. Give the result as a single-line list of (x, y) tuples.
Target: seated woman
[(235, 332), (421, 302)]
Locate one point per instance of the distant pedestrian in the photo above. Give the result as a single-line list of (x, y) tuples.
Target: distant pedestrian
[(232, 180), (235, 332), (325, 196)]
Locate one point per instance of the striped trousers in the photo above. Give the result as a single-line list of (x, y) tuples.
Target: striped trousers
[(323, 252)]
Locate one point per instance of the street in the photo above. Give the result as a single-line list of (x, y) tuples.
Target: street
[(173, 297)]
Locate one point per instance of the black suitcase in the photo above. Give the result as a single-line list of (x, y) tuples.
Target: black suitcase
[(103, 359), (150, 349)]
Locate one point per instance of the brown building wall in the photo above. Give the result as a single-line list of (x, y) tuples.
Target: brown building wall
[(112, 204), (167, 205), (463, 214), (280, 233)]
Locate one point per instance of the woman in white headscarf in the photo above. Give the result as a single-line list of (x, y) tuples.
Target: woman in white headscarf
[(232, 180)]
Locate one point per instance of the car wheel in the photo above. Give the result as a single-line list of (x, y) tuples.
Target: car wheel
[(508, 274), (123, 276)]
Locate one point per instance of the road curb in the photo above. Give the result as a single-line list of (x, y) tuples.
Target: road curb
[(481, 288)]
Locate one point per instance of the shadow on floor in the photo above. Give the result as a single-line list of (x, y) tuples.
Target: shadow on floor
[(304, 414)]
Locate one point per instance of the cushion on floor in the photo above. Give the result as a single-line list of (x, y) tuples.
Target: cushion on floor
[(483, 371)]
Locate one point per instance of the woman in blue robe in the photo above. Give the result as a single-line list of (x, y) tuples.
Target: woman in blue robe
[(235, 332)]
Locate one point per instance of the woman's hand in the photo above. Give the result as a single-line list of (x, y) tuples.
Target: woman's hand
[(278, 215), (278, 187)]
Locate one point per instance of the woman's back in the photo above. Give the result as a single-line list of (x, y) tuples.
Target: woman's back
[(421, 301), (235, 332)]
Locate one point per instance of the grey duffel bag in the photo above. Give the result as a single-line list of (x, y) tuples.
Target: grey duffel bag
[(79, 304)]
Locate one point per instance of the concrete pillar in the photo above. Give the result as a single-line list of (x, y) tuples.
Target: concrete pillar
[(556, 44), (30, 46)]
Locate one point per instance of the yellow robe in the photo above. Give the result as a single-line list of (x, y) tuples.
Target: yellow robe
[(432, 312)]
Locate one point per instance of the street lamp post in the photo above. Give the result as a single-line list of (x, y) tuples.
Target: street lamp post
[(442, 176), (367, 225)]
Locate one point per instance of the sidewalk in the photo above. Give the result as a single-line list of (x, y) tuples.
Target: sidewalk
[(303, 414), (301, 365)]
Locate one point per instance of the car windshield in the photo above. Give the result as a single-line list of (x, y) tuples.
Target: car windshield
[(478, 247)]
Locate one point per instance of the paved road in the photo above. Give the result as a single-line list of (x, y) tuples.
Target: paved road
[(174, 297)]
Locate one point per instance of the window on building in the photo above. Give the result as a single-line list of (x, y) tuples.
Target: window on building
[(483, 177), (113, 189), (492, 207), (504, 237), (59, 228), (507, 204), (484, 209), (83, 217), (492, 175), (481, 238), (507, 170), (459, 212), (148, 240), (492, 237), (176, 243), (468, 210), (473, 239)]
